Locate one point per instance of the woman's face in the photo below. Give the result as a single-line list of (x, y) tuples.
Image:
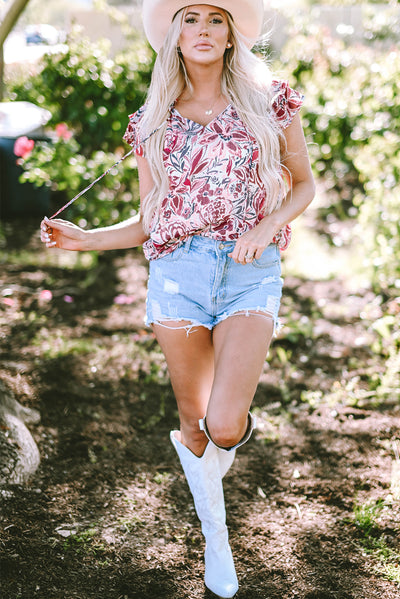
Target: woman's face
[(205, 34)]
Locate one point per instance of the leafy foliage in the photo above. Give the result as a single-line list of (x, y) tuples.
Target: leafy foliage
[(352, 117), (61, 166), (93, 94)]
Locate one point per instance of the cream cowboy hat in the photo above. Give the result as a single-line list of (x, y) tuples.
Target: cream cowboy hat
[(158, 14)]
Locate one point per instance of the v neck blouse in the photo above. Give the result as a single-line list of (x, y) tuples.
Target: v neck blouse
[(214, 186)]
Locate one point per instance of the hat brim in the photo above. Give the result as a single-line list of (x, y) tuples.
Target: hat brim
[(158, 14)]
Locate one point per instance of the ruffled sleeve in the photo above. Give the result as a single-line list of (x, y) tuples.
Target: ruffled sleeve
[(132, 133), (286, 102)]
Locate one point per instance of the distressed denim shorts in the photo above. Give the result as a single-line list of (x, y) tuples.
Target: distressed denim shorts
[(200, 284)]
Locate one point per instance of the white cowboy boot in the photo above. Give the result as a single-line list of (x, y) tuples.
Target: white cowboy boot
[(205, 483)]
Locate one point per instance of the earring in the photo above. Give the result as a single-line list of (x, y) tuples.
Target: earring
[(178, 49), (229, 45)]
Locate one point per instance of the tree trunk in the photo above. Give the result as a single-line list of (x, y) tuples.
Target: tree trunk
[(10, 19), (1, 73), (19, 455)]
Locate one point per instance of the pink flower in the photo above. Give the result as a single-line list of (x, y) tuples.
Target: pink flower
[(23, 146), (46, 295), (122, 299), (68, 299), (63, 131)]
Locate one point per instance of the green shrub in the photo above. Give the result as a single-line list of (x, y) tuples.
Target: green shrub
[(93, 95), (320, 67), (87, 89), (60, 165), (352, 119)]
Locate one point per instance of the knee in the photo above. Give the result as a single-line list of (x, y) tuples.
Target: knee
[(226, 434)]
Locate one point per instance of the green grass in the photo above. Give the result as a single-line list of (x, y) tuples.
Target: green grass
[(85, 542), (55, 345), (367, 518), (55, 258)]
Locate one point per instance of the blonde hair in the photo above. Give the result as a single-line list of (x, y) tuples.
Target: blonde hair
[(246, 81)]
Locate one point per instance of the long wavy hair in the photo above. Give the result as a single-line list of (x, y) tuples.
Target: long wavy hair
[(246, 81)]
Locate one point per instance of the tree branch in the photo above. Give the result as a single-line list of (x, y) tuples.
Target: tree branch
[(7, 24)]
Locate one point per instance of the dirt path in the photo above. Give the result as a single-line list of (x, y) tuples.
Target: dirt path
[(108, 513)]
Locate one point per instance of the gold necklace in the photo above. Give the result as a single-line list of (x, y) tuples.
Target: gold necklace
[(209, 111)]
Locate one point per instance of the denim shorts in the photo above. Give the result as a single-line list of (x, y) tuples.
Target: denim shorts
[(199, 283)]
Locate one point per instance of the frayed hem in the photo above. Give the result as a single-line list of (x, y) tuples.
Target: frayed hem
[(191, 327), (255, 312)]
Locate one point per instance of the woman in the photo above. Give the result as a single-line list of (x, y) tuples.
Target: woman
[(223, 171)]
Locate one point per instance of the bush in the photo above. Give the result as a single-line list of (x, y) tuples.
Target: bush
[(59, 165), (93, 95), (320, 65), (352, 117), (377, 161)]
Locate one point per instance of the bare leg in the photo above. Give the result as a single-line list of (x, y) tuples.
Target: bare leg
[(190, 361), (240, 345), (215, 373)]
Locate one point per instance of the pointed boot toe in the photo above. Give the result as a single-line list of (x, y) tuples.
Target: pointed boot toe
[(220, 576)]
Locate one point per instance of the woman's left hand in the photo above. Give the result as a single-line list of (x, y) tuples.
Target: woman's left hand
[(251, 245)]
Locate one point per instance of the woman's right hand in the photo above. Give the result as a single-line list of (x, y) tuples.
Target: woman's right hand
[(62, 234)]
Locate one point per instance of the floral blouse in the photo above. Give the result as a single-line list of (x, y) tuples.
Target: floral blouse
[(215, 190)]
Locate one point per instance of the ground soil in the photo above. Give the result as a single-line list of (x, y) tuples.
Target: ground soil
[(108, 514)]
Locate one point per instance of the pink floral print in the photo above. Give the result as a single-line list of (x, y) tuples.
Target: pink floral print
[(215, 190)]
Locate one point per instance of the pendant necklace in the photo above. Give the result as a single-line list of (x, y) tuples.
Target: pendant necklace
[(210, 110)]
